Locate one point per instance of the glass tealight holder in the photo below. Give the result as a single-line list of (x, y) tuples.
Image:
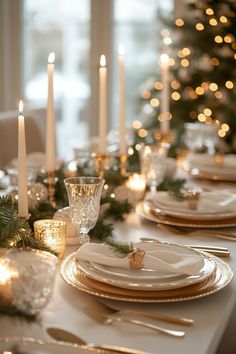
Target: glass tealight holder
[(30, 275), (7, 275), (52, 233), (137, 184), (153, 163)]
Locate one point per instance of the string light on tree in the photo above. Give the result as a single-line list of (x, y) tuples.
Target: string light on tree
[(199, 26), (209, 11), (203, 73), (213, 22), (179, 22)]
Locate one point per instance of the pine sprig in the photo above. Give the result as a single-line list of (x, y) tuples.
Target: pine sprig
[(174, 186), (101, 231), (43, 210), (122, 249), (114, 178), (16, 231), (117, 208), (12, 311)]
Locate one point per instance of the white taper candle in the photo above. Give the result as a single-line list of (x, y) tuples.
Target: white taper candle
[(102, 105), (122, 103), (22, 172), (165, 94), (51, 129)]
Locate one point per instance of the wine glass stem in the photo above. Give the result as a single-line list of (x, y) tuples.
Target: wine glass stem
[(153, 188), (84, 238)]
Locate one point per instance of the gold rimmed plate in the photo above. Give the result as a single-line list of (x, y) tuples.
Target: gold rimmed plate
[(216, 282), (152, 214), (212, 176), (212, 205), (134, 283)]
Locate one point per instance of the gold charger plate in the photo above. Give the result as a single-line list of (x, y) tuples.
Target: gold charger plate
[(195, 172), (220, 279), (149, 213)]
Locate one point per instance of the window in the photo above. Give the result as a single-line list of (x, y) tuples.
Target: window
[(136, 26), (64, 27)]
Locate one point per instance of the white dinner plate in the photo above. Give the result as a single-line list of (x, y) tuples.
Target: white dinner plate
[(221, 278), (133, 274), (204, 166), (177, 281), (32, 346), (206, 160), (213, 205)]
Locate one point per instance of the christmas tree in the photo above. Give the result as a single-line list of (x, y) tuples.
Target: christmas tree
[(202, 51)]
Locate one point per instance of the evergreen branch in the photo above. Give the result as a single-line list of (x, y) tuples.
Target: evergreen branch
[(101, 231), (43, 210), (122, 249), (15, 231), (174, 186), (114, 178), (117, 208), (12, 311)]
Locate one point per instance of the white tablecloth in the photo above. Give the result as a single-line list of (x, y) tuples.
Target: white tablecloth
[(69, 308)]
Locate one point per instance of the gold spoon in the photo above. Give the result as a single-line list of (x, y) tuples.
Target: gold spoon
[(65, 336)]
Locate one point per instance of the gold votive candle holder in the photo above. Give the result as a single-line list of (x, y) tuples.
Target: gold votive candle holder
[(52, 233)]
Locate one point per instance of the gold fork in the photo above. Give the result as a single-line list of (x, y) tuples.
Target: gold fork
[(103, 309), (171, 332)]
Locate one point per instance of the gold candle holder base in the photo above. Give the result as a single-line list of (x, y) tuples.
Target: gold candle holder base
[(50, 182), (165, 137), (219, 159), (122, 164), (24, 217), (101, 161)]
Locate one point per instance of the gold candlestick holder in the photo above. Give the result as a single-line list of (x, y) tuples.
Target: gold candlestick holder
[(165, 137), (219, 159), (101, 161), (50, 182), (122, 164)]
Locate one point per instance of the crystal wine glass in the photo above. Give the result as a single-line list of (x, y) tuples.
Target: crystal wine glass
[(84, 195), (153, 163)]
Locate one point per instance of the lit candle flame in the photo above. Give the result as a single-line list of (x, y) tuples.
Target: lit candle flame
[(121, 49), (21, 106), (51, 58), (103, 60), (164, 58), (6, 273)]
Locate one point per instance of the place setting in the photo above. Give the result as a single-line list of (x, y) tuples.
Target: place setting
[(216, 167), (191, 208), (166, 272)]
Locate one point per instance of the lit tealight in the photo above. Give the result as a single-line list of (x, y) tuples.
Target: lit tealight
[(137, 183), (52, 233)]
